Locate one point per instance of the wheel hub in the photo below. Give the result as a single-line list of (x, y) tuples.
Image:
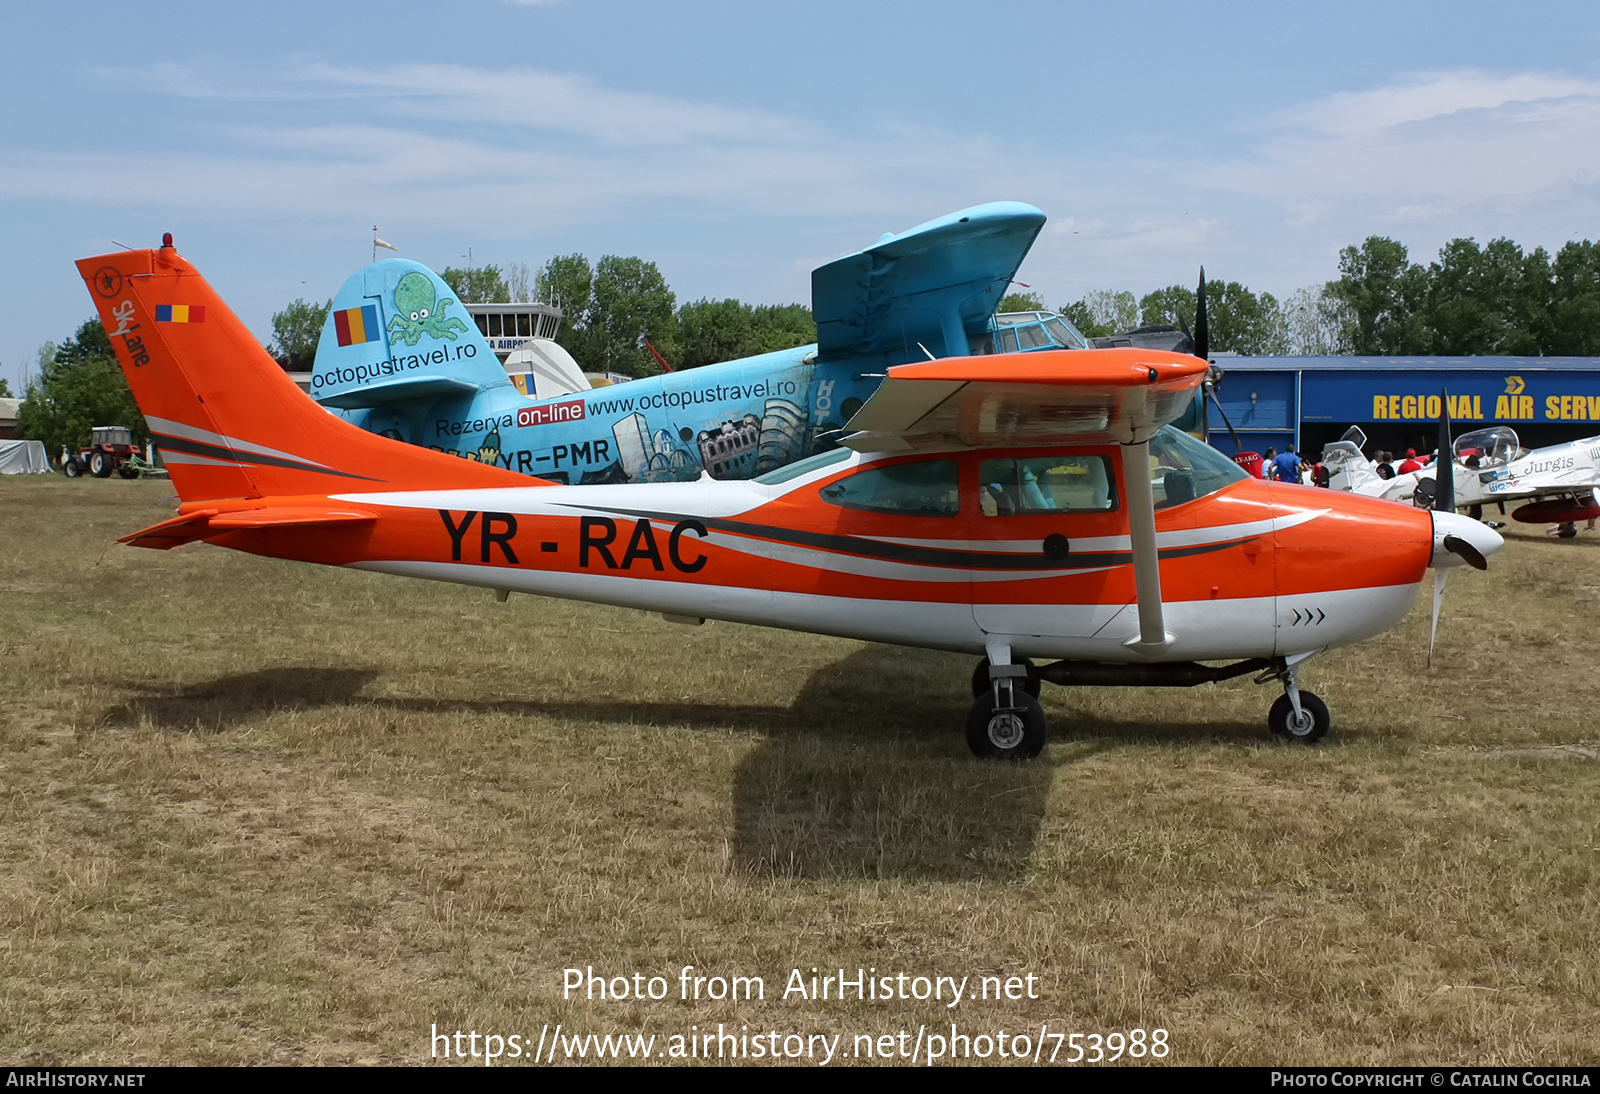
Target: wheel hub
[(1300, 724), (1006, 731)]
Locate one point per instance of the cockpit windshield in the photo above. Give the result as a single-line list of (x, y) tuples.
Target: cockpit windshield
[(1183, 469), (1021, 331), (1488, 448)]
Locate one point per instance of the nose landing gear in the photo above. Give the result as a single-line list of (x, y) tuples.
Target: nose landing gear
[(1297, 715)]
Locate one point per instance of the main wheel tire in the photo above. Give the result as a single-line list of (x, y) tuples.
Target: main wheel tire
[(1006, 735), (100, 465), (72, 469), (981, 684), (1311, 726), (1568, 531)]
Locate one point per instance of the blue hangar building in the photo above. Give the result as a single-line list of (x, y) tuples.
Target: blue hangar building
[(1309, 401)]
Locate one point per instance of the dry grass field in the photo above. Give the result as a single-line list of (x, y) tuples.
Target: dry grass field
[(254, 811)]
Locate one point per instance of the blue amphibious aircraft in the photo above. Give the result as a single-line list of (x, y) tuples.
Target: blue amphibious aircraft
[(400, 356)]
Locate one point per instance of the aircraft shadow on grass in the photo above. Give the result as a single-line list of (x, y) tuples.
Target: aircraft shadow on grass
[(858, 777)]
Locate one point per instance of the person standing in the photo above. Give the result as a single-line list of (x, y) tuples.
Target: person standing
[(1286, 468)]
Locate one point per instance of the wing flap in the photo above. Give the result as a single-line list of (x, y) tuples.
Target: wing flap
[(1060, 397)]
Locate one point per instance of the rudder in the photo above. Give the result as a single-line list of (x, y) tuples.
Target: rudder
[(228, 420)]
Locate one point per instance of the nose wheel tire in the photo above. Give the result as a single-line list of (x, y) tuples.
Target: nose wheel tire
[(1006, 734), (1312, 725), (980, 678)]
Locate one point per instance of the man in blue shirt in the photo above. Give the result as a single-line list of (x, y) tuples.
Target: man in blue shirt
[(1286, 468)]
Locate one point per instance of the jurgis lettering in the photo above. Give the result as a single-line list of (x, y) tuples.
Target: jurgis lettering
[(1557, 463), (123, 313)]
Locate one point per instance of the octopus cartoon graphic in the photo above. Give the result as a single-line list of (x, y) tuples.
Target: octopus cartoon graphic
[(420, 312)]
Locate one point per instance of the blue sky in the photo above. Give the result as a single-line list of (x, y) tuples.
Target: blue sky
[(738, 145)]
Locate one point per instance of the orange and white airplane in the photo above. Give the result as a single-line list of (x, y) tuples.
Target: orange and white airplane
[(1012, 506)]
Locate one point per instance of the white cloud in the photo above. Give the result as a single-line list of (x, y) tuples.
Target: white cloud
[(1431, 147), (506, 153)]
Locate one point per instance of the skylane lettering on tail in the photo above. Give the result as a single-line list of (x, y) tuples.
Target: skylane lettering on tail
[(1009, 506)]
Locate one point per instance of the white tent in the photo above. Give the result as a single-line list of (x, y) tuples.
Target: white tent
[(23, 458)]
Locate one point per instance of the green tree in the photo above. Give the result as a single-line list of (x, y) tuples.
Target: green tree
[(295, 331), (567, 281), (1574, 328), (80, 386), (1022, 301), (1385, 293), (480, 285), (1489, 300), (709, 331), (1174, 304), (782, 326), (630, 301), (1242, 322), (5, 390), (1102, 312)]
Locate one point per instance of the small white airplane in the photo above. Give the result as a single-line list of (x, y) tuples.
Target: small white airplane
[(1489, 466)]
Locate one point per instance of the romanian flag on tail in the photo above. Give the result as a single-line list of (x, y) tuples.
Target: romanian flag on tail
[(180, 313), (356, 325)]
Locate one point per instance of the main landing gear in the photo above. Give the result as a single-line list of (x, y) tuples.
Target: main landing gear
[(1006, 721)]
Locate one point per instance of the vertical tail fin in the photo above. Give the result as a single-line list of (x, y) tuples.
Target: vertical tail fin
[(229, 422)]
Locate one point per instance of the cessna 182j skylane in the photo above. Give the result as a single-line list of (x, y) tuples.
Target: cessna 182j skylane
[(1012, 506)]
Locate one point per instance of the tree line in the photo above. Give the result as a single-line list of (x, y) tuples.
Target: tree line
[(1493, 300), (1489, 300), (609, 308)]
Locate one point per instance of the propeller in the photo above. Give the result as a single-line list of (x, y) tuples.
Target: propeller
[(1202, 349), (1444, 501)]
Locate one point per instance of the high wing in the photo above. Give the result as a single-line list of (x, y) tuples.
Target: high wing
[(936, 284), (1076, 396), (1056, 397)]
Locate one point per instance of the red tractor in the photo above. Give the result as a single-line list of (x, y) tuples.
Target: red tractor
[(110, 449)]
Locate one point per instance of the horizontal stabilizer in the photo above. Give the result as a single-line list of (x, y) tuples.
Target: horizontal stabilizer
[(204, 523), (1051, 397), (410, 389)]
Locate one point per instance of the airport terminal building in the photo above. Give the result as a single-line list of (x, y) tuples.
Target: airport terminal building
[(1309, 401)]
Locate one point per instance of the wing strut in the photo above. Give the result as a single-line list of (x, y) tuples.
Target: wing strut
[(1153, 637)]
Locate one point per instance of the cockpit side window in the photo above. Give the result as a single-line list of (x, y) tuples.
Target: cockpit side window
[(1183, 469), (923, 488), (1046, 484)]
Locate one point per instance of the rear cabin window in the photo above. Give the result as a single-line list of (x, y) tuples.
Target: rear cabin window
[(923, 488), (1046, 484)]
